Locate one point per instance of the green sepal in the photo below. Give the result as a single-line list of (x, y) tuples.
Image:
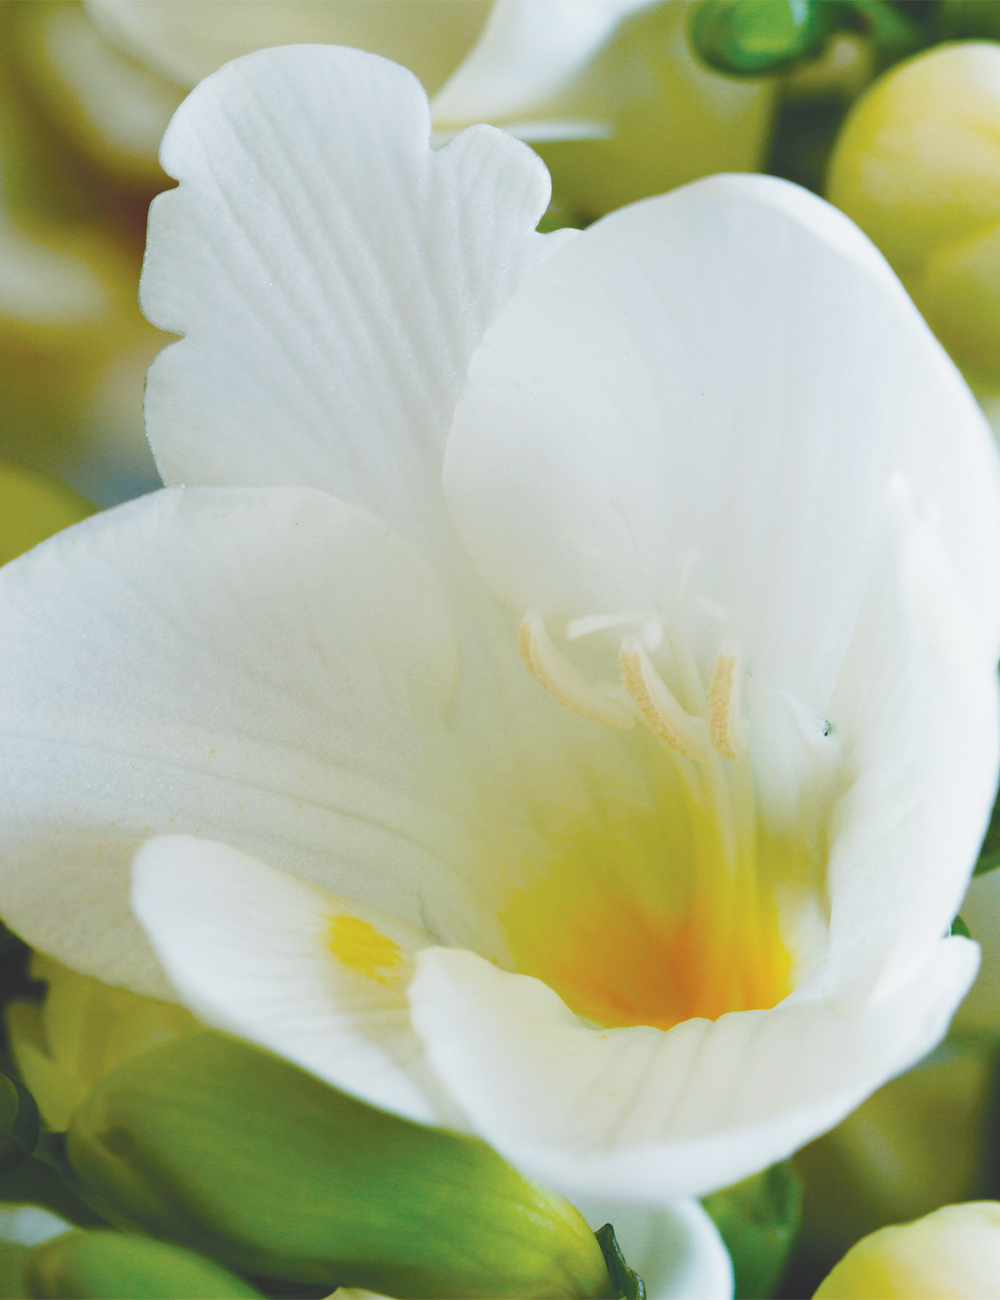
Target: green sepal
[(626, 1283), (958, 926), (221, 1147), (114, 1266), (752, 38), (758, 1220), (989, 853), (19, 1123)]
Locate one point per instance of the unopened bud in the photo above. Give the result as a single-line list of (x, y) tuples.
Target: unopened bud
[(114, 1266), (82, 1029), (224, 1148), (952, 1254), (917, 166)]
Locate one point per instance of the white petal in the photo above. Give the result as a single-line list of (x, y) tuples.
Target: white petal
[(675, 1248), (268, 668), (917, 705), (331, 275), (644, 1114), (728, 369), (528, 51), (249, 950)]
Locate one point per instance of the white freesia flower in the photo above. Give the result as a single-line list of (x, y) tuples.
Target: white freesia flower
[(660, 897)]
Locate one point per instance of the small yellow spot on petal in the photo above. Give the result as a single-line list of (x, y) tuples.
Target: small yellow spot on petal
[(360, 946)]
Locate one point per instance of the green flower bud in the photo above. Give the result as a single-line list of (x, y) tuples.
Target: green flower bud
[(18, 1124), (224, 1148), (82, 1030), (112, 1266), (753, 37)]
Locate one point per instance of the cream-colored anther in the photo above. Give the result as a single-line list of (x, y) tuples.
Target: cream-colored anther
[(562, 680), (725, 716), (656, 703)]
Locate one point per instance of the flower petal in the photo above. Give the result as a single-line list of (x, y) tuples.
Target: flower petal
[(318, 979), (331, 275), (646, 1114), (269, 668), (729, 370), (675, 1248), (917, 703)]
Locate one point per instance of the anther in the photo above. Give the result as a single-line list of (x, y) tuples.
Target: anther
[(677, 729), (562, 680), (725, 716)]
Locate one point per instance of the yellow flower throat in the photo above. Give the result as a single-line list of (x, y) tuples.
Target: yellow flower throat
[(655, 916)]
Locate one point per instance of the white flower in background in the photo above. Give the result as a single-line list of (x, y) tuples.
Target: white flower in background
[(608, 90), (567, 694)]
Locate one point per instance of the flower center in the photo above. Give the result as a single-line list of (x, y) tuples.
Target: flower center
[(658, 915)]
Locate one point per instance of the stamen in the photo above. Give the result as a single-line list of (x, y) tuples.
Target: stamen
[(578, 627), (562, 680), (725, 717), (677, 729)]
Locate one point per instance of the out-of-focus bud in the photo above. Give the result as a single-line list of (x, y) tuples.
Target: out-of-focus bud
[(114, 1266), (952, 1254), (913, 1146), (751, 37), (82, 1030), (917, 166), (841, 72), (33, 507), (18, 1124), (216, 1145)]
